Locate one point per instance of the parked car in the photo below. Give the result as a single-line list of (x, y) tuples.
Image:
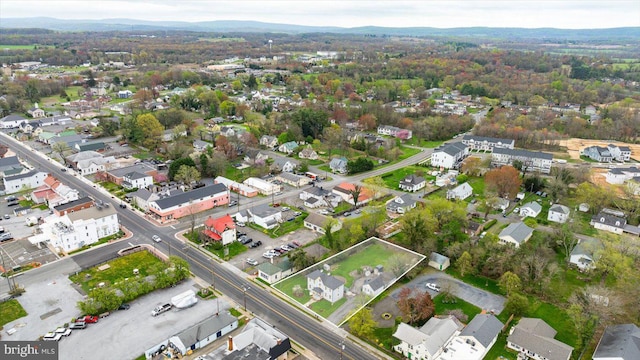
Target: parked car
[(161, 309), (347, 214), (256, 244), (63, 331), (1, 229), (286, 247), (323, 212), (269, 255), (297, 243), (241, 224), (434, 287), (251, 262), (240, 233), (156, 238), (52, 337), (233, 203), (78, 325), (124, 306), (90, 319), (246, 241), (292, 245), (285, 208), (6, 216), (297, 213), (6, 236)]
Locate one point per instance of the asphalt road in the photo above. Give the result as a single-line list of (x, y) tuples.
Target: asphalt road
[(323, 339)]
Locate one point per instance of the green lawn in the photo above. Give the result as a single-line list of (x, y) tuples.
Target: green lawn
[(118, 270), (287, 285), (477, 184), (499, 350), (408, 152), (343, 206), (24, 47), (477, 281), (284, 228), (9, 311), (442, 307), (392, 179), (425, 143), (235, 248), (325, 308), (371, 255), (556, 318), (384, 337)]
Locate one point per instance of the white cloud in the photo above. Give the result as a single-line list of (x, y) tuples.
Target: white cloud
[(349, 13)]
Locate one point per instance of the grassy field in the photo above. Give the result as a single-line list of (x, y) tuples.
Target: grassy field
[(287, 286), (477, 184), (118, 270), (9, 311), (23, 47), (477, 281), (556, 318), (392, 179), (372, 255), (499, 350), (284, 228), (72, 92), (325, 308), (442, 306), (235, 248)]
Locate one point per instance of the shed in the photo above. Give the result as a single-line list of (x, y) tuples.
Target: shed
[(438, 261)]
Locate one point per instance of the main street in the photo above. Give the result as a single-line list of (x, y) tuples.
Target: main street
[(323, 339)]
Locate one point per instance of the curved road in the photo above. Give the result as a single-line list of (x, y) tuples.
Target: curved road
[(323, 340)]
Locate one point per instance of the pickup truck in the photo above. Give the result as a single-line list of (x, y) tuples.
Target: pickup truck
[(160, 309)]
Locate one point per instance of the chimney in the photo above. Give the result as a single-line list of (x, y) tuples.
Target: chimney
[(230, 343), (279, 341)]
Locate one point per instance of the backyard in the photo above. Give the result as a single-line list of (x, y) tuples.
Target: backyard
[(392, 179), (284, 227)]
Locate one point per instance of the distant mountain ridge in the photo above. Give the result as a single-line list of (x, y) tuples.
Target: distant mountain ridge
[(257, 26)]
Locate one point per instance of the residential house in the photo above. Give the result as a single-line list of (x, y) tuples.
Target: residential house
[(598, 153), (618, 176), (275, 272), (438, 261), (395, 132), (481, 143), (338, 165), (229, 131), (33, 127), (318, 223), (11, 121), (136, 180), (73, 206), (534, 339), (201, 146), (530, 209), (76, 229), (346, 191), (412, 183), (475, 340), (70, 140), (141, 198), (531, 160), (429, 341), (288, 147), (293, 179), (373, 286), (264, 187), (515, 234), (619, 342), (10, 166), (117, 175), (262, 215), (90, 162), (460, 192), (284, 165), (449, 155), (197, 336), (502, 204), (401, 204), (558, 213), (619, 153), (269, 141), (315, 196), (220, 229), (473, 228), (25, 181), (240, 188), (308, 153), (258, 341), (94, 146), (255, 157), (611, 221), (36, 112), (54, 193), (324, 286), (124, 94), (168, 208), (584, 254)]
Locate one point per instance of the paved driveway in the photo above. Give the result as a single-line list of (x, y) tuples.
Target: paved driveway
[(471, 294)]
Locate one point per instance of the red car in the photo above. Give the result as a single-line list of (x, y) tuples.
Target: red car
[(90, 319)]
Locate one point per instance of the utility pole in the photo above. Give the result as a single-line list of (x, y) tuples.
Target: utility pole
[(6, 273), (244, 295), (341, 348)]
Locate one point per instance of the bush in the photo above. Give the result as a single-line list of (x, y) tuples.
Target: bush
[(489, 224), (462, 178)]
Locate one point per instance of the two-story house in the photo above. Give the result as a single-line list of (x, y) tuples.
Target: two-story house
[(449, 155), (460, 192), (412, 183), (338, 165), (221, 229), (324, 286), (288, 147), (24, 181), (531, 160), (136, 180), (401, 204), (268, 141), (427, 342), (534, 339)]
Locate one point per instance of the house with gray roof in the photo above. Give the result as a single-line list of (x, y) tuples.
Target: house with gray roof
[(259, 340), (427, 342), (269, 141), (293, 179), (584, 253), (618, 176), (481, 143), (449, 155), (412, 183), (373, 286), (515, 234), (460, 192), (535, 161), (315, 196), (607, 221), (475, 340), (558, 213), (70, 140), (10, 164), (174, 206), (530, 209), (619, 342), (11, 121), (136, 180), (325, 286), (28, 180), (265, 216), (141, 198), (401, 204), (272, 273), (338, 165), (317, 222), (534, 338), (117, 175), (283, 164), (439, 261), (93, 146)]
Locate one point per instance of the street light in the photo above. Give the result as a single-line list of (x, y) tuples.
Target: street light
[(244, 295)]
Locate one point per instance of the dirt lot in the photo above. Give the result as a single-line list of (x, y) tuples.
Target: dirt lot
[(574, 145)]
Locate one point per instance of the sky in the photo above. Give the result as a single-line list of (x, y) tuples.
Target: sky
[(585, 14)]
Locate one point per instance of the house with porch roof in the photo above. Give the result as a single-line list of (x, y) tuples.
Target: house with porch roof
[(220, 229)]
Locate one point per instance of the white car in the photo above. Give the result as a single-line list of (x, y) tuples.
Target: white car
[(52, 337), (324, 212), (156, 238), (63, 331), (252, 262), (241, 224), (434, 287)]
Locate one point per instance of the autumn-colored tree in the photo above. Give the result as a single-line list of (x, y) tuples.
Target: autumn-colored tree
[(367, 121), (415, 305), (505, 181), (471, 166), (223, 145)]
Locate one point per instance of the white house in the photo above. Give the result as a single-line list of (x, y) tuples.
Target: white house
[(618, 176), (515, 234), (315, 196), (265, 216), (558, 213), (475, 340), (78, 228), (324, 286), (583, 254), (137, 180), (308, 153), (609, 221), (90, 162), (481, 143), (460, 192), (531, 160), (316, 222), (264, 187), (338, 165), (269, 141), (429, 341), (25, 181), (293, 179), (534, 339), (373, 286), (288, 147), (11, 121), (449, 155), (346, 192), (284, 164), (272, 273), (401, 204), (412, 183), (530, 209)]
